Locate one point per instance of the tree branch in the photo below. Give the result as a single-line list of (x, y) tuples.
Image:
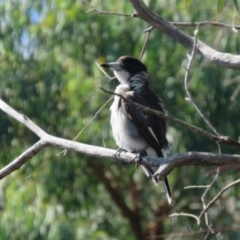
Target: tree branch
[(189, 95), (220, 139), (217, 197), (167, 164), (23, 158), (222, 59)]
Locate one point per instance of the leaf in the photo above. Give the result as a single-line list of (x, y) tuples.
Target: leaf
[(220, 5), (236, 5)]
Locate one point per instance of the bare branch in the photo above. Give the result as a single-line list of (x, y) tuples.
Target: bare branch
[(203, 201), (204, 23), (167, 164), (196, 186), (23, 158), (179, 24), (218, 196), (184, 215), (189, 95), (220, 139), (192, 233), (22, 119), (222, 59), (145, 43), (107, 12)]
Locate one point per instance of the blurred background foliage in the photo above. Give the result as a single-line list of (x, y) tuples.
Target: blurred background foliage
[(48, 55)]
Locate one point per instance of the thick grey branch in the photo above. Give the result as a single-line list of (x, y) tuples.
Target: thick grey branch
[(192, 158), (222, 59), (167, 164)]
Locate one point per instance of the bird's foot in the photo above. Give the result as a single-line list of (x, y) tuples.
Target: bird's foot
[(137, 158), (119, 151)]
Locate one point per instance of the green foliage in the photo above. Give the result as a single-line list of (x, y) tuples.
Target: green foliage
[(48, 72), (220, 5)]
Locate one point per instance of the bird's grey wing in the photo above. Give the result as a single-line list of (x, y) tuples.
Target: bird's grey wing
[(142, 120), (146, 124)]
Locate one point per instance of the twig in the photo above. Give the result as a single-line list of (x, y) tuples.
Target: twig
[(184, 215), (104, 72), (64, 152), (197, 186), (220, 139), (107, 12), (204, 23), (179, 24), (218, 196), (145, 44), (22, 119), (235, 93), (189, 96), (153, 19), (203, 201), (182, 234)]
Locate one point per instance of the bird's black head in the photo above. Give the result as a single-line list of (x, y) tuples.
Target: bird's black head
[(125, 67), (131, 64)]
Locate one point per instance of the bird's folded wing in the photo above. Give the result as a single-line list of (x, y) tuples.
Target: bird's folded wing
[(147, 124)]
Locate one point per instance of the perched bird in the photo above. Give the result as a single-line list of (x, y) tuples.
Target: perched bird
[(133, 129)]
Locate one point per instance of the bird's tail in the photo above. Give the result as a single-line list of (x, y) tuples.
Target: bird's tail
[(167, 190), (148, 171)]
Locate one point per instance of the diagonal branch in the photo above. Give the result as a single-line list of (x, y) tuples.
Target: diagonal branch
[(23, 158), (22, 119), (217, 197), (189, 95), (220, 139), (167, 164), (222, 59)]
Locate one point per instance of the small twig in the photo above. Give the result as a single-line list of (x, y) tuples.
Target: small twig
[(64, 152), (218, 196), (235, 93), (104, 72), (186, 234), (189, 96), (148, 29), (220, 139), (184, 215), (197, 186), (107, 12), (204, 23), (233, 80), (145, 44), (203, 201)]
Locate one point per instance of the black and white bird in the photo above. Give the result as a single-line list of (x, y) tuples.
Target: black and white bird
[(133, 129)]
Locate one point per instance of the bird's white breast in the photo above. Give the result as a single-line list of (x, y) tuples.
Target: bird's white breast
[(125, 133)]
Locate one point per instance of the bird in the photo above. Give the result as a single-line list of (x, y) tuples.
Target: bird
[(135, 130)]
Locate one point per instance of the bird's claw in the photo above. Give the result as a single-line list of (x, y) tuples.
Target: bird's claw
[(119, 151), (137, 159)]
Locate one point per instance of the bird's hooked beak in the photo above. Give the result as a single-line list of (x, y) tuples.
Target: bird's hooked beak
[(114, 66)]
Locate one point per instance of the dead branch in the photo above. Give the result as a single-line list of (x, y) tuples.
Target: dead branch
[(167, 164), (220, 139), (222, 59)]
